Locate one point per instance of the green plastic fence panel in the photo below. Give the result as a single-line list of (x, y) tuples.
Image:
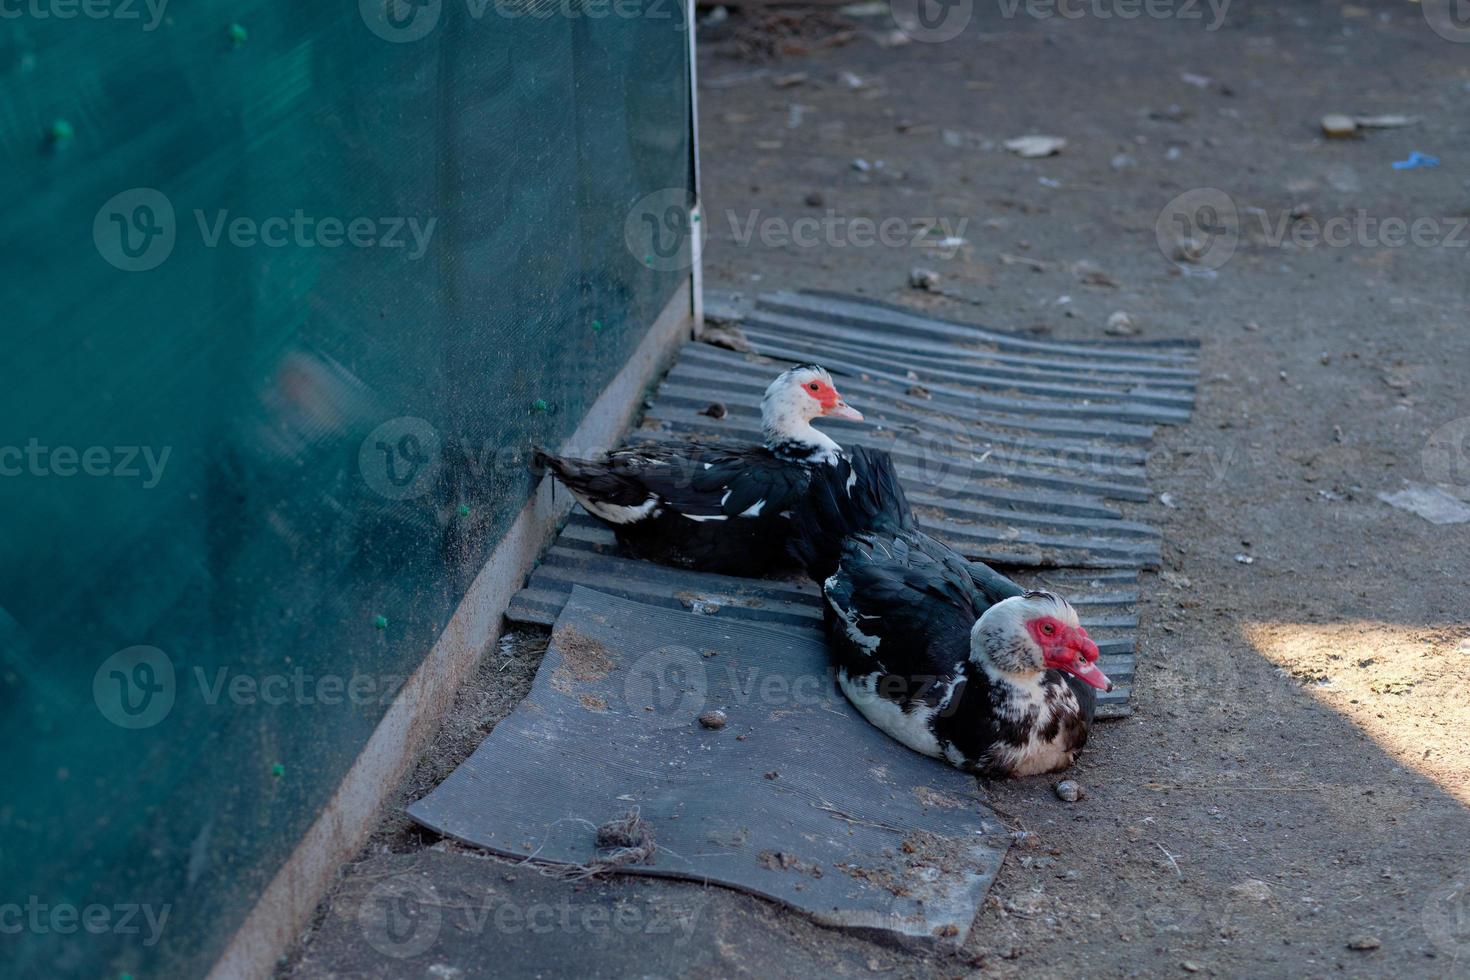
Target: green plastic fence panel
[(288, 291)]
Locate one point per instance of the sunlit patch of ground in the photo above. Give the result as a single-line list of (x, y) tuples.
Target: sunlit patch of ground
[(1407, 687)]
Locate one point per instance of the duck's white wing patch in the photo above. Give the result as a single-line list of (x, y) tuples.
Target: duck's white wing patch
[(911, 728), (849, 619), (754, 510), (617, 513)]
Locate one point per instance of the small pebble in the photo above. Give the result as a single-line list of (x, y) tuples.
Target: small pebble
[(713, 719), (1120, 324), (1364, 944), (815, 199), (715, 410), (1337, 126), (1069, 791), (921, 278)]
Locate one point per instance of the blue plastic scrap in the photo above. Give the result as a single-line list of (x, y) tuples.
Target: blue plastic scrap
[(1415, 161)]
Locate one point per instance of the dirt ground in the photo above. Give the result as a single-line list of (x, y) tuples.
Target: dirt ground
[(1290, 797)]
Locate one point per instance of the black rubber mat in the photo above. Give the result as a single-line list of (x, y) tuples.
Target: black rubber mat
[(796, 798)]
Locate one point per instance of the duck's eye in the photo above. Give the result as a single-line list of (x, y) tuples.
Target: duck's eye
[(813, 386), (1048, 628)]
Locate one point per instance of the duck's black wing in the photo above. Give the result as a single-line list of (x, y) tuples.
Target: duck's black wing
[(904, 604)]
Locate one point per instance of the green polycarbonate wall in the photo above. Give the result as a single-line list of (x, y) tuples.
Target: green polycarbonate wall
[(288, 289)]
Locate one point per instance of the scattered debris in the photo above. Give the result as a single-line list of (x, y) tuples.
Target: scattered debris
[(1190, 966), (921, 278), (1364, 944), (1177, 580), (1089, 273), (1069, 791), (1253, 889), (1120, 324), (1245, 559), (1036, 145), (849, 80), (1198, 81), (1123, 161), (715, 410), (861, 165), (919, 391), (1036, 265), (1337, 126), (631, 838), (726, 335), (1416, 161), (1390, 121), (1167, 499), (815, 199), (713, 720), (1431, 503), (790, 80)]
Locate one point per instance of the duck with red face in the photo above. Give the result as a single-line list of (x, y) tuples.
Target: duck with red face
[(716, 508), (943, 654)]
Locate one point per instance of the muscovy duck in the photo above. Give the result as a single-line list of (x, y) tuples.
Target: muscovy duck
[(715, 508), (947, 656)]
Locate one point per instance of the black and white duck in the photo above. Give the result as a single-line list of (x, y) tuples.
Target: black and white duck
[(945, 655), (715, 508)]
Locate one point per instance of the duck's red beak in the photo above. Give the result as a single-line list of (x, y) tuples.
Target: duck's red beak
[(840, 409), (1084, 661)]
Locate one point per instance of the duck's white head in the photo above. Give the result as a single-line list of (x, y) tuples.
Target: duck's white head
[(793, 400), (1038, 631)]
